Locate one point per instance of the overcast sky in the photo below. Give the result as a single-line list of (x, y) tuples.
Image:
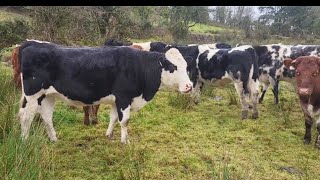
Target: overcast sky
[(256, 13)]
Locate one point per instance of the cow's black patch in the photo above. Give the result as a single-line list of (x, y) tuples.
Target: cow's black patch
[(24, 102), (40, 99)]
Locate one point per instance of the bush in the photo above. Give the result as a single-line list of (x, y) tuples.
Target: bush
[(13, 32), (5, 54)]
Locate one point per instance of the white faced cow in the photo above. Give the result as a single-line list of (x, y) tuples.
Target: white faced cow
[(124, 77)]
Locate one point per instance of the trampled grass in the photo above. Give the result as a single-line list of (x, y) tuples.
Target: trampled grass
[(172, 141)]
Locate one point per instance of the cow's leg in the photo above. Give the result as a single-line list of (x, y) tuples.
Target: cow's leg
[(86, 115), (112, 122), (123, 109), (254, 91), (308, 120), (94, 115), (318, 136), (26, 116), (275, 90), (243, 99), (124, 120), (308, 123), (46, 112), (263, 91), (197, 91)]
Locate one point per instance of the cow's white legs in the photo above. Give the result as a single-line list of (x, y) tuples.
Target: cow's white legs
[(318, 136), (46, 112), (243, 99), (263, 91), (124, 123), (254, 91), (112, 122), (197, 91), (26, 115)]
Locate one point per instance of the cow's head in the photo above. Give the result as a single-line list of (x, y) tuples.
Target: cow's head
[(174, 71), (307, 73)]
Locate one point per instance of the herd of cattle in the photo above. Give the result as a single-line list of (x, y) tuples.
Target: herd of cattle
[(127, 76)]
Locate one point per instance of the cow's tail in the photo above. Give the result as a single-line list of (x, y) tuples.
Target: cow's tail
[(16, 66)]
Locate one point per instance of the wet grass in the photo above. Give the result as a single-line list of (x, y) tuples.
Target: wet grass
[(171, 139)]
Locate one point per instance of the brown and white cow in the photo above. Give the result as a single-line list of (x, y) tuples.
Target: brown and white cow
[(308, 89)]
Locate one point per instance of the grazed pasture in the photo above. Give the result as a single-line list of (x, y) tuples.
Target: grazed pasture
[(170, 139)]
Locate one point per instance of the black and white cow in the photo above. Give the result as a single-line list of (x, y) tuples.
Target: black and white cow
[(218, 45), (271, 66), (240, 64), (190, 52), (300, 50), (124, 77)]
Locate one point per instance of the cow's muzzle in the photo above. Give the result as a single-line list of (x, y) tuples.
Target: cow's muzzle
[(187, 89), (304, 91)]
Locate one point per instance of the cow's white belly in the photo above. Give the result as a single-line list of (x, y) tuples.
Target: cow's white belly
[(264, 78), (137, 102)]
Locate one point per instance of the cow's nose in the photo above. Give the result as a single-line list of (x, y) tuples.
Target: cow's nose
[(304, 91), (188, 86)]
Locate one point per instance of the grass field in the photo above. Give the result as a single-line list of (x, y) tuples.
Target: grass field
[(168, 141), (6, 15)]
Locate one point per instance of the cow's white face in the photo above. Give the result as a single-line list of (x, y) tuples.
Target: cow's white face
[(179, 77)]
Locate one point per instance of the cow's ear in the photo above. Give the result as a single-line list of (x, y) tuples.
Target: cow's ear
[(167, 65), (289, 62)]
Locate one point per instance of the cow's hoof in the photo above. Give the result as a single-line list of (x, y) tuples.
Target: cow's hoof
[(306, 141), (255, 115), (87, 123), (244, 114), (53, 139), (110, 136), (317, 144), (95, 122), (126, 141), (196, 101)]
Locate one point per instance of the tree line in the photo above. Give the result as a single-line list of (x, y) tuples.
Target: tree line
[(91, 25)]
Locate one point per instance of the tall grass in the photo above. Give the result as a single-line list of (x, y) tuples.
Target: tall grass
[(30, 159)]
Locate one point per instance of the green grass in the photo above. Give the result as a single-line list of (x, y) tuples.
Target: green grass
[(209, 29), (204, 29), (19, 159), (170, 140), (10, 16)]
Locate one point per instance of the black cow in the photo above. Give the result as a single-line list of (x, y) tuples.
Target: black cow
[(124, 77)]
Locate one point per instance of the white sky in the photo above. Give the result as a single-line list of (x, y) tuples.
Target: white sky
[(256, 11)]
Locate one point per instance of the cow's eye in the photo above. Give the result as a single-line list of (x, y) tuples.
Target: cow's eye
[(297, 73)]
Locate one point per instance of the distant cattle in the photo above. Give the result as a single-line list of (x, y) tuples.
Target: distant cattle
[(300, 50), (239, 64), (124, 77), (271, 67), (308, 89)]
